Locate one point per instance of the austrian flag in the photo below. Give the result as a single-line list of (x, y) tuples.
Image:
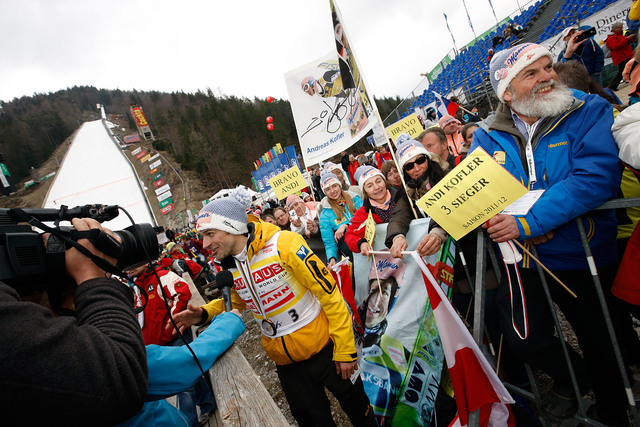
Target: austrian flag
[(475, 384)]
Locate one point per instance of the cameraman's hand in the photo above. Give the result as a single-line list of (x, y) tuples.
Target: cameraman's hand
[(79, 267)]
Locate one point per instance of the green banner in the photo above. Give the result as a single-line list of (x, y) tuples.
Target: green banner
[(165, 202), (157, 176)]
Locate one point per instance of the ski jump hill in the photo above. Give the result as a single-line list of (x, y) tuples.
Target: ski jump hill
[(96, 171)]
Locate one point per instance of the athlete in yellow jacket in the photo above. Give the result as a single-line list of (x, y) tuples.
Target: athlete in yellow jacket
[(306, 327)]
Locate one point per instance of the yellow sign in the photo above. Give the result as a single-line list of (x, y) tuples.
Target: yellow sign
[(145, 158), (370, 230), (409, 124), (472, 193), (288, 182)]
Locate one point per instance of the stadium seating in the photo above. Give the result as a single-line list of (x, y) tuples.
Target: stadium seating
[(468, 72)]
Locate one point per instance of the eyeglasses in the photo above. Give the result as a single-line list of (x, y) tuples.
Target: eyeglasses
[(420, 160)]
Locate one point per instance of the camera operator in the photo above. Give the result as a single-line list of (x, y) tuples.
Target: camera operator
[(89, 369)]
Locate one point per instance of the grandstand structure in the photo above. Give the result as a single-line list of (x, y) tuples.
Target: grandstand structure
[(466, 75)]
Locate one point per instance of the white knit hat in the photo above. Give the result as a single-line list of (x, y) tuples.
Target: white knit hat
[(408, 148), (506, 64), (364, 173), (327, 179), (227, 214)]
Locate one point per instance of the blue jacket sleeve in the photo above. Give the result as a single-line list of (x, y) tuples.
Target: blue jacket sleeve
[(173, 369), (326, 231), (598, 57)]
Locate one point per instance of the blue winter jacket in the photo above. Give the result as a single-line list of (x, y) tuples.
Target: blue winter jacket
[(329, 224), (576, 162), (173, 369), (589, 54)]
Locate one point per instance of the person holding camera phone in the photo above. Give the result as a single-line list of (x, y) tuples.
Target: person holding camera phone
[(87, 369), (581, 47)]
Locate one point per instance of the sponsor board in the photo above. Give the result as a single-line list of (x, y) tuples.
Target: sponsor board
[(164, 196), (165, 210), (162, 189)]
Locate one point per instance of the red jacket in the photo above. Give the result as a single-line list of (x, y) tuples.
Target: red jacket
[(352, 170), (354, 236), (627, 283), (155, 313), (619, 47)]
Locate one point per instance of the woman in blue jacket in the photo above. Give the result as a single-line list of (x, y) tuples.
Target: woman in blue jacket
[(338, 207)]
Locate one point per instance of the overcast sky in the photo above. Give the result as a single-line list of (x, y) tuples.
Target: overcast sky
[(235, 47)]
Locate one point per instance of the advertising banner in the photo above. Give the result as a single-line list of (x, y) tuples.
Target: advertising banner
[(165, 202), (132, 138), (292, 155), (136, 151), (159, 183), (164, 196), (162, 189), (140, 154), (155, 164), (157, 176), (264, 176), (145, 158), (258, 180), (165, 210), (139, 116)]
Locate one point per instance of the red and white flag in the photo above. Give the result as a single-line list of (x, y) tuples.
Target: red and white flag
[(476, 386), (445, 106)]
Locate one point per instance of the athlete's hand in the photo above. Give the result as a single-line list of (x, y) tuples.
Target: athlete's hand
[(346, 369), (186, 318)]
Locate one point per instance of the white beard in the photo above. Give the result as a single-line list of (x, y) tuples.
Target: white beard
[(547, 105)]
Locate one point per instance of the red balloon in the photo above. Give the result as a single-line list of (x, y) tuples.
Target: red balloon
[(269, 99), (270, 126), (269, 119)]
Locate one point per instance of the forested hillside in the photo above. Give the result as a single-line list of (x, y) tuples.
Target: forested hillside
[(217, 136)]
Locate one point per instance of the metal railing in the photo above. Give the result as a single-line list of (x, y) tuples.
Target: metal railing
[(478, 289)]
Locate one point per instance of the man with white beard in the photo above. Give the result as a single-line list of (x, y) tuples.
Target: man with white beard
[(557, 140)]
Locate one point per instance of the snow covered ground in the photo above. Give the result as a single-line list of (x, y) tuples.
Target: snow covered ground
[(96, 171)]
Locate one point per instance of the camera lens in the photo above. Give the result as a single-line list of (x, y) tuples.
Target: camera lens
[(139, 243)]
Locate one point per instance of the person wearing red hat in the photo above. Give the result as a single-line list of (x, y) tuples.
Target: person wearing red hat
[(451, 128)]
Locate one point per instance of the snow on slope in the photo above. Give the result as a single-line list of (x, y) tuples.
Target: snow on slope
[(96, 171)]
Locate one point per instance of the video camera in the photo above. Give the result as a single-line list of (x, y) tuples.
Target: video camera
[(26, 264)]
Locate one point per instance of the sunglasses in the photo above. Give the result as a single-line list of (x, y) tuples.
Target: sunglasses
[(420, 160)]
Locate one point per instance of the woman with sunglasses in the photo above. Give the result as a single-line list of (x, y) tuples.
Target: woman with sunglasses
[(420, 174), (380, 198), (338, 208)]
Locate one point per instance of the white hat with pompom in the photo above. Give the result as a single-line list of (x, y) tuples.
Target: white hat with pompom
[(227, 214)]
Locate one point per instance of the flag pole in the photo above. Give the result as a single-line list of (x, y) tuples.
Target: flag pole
[(393, 155)]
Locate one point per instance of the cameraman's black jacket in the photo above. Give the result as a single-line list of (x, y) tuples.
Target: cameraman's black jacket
[(88, 370)]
